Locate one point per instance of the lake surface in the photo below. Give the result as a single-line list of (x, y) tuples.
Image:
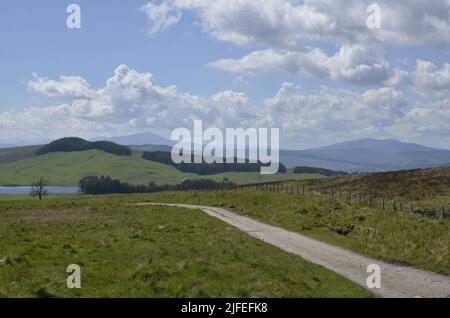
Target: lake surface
[(27, 189)]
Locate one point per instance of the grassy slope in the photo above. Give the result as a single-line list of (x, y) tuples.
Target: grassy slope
[(407, 184), (405, 239), (128, 251), (69, 168), (17, 153), (427, 189)]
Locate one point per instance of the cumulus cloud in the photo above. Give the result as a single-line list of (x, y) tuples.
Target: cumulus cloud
[(161, 16), (343, 111), (427, 123), (66, 86), (427, 79), (131, 101), (285, 30), (354, 64), (289, 23)]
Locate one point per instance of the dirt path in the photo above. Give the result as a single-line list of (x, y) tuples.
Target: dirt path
[(396, 281)]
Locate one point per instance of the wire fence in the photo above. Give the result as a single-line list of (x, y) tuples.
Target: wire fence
[(350, 197), (354, 197)]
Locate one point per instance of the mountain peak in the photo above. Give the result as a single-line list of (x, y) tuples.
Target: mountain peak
[(138, 139), (384, 146)]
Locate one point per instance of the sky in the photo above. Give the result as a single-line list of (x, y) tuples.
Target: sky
[(313, 68)]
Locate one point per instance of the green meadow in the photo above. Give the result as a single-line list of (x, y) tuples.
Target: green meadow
[(66, 169), (129, 251)]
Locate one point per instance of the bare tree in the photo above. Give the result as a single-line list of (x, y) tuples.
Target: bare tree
[(39, 188)]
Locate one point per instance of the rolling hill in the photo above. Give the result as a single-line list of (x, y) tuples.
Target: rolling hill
[(17, 153), (67, 168), (411, 184), (20, 165)]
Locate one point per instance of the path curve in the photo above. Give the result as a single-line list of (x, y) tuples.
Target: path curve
[(396, 281)]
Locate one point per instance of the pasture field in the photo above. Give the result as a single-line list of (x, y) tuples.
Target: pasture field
[(129, 251), (66, 169)]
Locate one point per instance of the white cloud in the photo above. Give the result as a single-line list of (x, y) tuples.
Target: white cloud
[(426, 123), (343, 111), (130, 101), (67, 86), (161, 16), (289, 34), (353, 64), (427, 79), (289, 23)]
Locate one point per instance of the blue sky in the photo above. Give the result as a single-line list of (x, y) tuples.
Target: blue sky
[(311, 68), (35, 39)]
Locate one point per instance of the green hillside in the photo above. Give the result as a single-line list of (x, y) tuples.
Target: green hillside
[(17, 153), (68, 168)]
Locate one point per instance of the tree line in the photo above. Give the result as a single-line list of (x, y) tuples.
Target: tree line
[(72, 144), (204, 168), (325, 172), (107, 185)]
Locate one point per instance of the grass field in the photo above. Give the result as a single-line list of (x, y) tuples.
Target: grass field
[(66, 169), (129, 251), (397, 238), (17, 153)]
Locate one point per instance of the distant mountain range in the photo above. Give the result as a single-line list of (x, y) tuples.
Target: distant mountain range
[(351, 156), (138, 140), (24, 143), (361, 155), (368, 155)]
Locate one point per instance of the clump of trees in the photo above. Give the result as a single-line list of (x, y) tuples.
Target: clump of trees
[(72, 144), (206, 168), (107, 185), (325, 172), (39, 189)]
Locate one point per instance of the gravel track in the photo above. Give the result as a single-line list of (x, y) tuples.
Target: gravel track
[(396, 281)]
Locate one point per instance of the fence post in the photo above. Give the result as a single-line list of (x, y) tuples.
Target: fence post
[(383, 202), (443, 213)]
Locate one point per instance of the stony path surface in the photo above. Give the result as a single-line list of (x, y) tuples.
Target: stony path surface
[(396, 281)]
